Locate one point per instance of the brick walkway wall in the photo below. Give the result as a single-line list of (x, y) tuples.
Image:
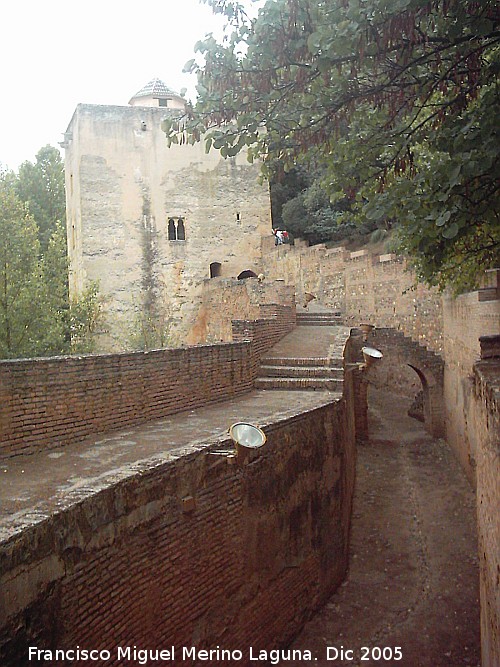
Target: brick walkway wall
[(46, 403), (194, 552)]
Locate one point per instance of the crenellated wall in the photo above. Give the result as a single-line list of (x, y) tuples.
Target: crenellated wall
[(462, 394), (378, 289)]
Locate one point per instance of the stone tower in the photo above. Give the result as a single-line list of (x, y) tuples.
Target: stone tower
[(151, 223)]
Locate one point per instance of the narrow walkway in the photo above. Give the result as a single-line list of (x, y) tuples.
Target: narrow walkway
[(413, 579), (34, 487)]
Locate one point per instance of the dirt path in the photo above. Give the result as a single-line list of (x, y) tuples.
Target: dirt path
[(413, 579)]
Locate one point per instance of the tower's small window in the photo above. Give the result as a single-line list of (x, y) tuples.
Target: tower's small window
[(162, 103), (215, 268), (172, 236), (181, 232), (176, 229)]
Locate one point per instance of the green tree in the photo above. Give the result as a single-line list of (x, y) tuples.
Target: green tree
[(25, 318), (54, 267), (41, 186), (397, 99), (85, 318), (36, 315)]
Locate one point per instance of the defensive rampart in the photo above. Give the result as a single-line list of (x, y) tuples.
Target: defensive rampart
[(484, 418), (461, 394), (187, 550), (47, 403), (363, 287)]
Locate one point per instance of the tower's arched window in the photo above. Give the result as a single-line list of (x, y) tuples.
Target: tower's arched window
[(171, 230), (181, 232), (176, 229), (215, 269)]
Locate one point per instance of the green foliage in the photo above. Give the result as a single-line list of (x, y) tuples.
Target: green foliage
[(85, 318), (41, 186), (150, 331), (25, 320), (300, 204), (397, 101), (36, 317)]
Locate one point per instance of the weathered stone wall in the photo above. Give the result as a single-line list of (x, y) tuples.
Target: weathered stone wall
[(484, 419), (226, 299), (48, 402), (377, 289), (193, 552), (123, 185), (466, 319)]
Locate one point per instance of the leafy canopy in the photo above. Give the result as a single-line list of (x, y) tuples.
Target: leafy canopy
[(37, 317), (41, 186), (397, 100)]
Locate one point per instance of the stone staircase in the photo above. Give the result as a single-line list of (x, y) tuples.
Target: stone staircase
[(318, 318), (308, 359), (313, 373)]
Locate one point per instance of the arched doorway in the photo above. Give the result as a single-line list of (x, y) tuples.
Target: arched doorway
[(247, 274)]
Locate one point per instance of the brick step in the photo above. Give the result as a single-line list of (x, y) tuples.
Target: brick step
[(301, 384), (313, 321), (311, 313), (303, 371), (335, 362)]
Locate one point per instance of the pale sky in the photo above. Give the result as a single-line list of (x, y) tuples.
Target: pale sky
[(58, 53)]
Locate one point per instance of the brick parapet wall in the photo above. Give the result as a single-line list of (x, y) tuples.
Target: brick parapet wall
[(264, 333), (46, 403), (190, 552)]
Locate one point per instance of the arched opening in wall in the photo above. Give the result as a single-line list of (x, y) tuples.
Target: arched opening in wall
[(181, 231), (247, 274), (176, 229), (420, 405), (215, 268), (391, 388), (171, 230)]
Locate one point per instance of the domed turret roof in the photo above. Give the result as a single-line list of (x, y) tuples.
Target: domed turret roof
[(155, 90)]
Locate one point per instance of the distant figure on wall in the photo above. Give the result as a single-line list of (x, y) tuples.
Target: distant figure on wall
[(280, 237)]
